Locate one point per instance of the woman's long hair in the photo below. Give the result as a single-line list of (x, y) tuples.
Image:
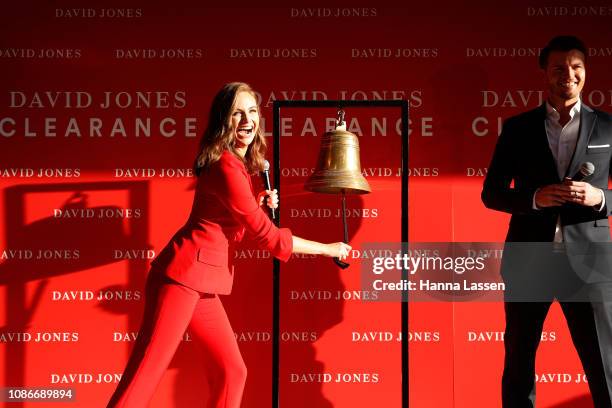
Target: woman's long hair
[(219, 136)]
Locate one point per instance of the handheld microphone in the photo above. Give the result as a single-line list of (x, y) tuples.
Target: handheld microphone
[(586, 170), (265, 175)]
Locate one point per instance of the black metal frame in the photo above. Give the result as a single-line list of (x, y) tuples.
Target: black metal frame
[(403, 105)]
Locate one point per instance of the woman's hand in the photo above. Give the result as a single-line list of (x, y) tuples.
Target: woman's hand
[(338, 250), (272, 200)]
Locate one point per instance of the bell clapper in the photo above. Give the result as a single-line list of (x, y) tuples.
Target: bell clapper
[(344, 223)]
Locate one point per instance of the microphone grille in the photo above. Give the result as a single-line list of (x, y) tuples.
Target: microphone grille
[(266, 165), (587, 169)]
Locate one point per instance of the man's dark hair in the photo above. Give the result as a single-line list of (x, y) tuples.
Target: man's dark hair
[(561, 43)]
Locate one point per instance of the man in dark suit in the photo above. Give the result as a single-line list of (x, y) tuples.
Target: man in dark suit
[(530, 176)]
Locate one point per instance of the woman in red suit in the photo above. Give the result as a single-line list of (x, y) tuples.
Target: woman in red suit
[(196, 266)]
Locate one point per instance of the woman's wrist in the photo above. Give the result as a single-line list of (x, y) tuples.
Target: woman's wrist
[(304, 246)]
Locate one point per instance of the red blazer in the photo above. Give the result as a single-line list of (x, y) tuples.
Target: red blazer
[(200, 254)]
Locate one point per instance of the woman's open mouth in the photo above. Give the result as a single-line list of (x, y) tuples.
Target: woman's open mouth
[(245, 131)]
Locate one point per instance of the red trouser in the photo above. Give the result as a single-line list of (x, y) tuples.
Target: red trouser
[(170, 309)]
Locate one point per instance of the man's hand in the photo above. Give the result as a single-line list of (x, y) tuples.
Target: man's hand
[(583, 193), (577, 192), (552, 195)]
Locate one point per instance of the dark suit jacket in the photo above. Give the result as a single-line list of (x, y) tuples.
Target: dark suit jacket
[(200, 254), (523, 157)]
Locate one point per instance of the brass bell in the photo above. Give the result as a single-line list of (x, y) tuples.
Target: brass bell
[(339, 170), (338, 167)]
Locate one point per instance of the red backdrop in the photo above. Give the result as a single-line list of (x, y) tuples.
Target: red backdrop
[(101, 109)]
